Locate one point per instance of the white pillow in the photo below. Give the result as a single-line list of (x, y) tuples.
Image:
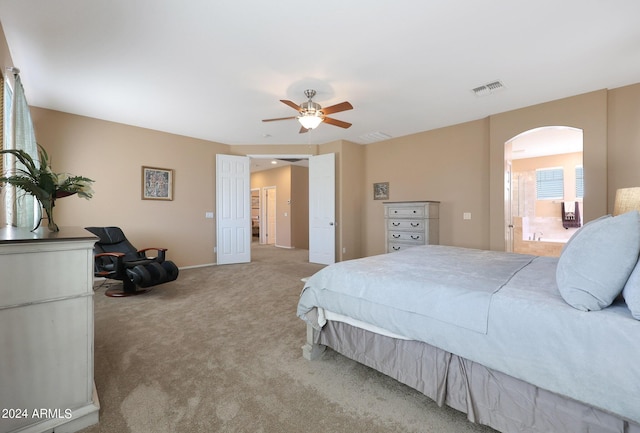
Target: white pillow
[(595, 265)]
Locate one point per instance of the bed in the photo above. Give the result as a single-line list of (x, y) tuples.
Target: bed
[(517, 342)]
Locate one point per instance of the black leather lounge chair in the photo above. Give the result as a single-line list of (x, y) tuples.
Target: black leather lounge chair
[(117, 259)]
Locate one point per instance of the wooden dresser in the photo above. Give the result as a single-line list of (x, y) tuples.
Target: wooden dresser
[(411, 223), (46, 338)]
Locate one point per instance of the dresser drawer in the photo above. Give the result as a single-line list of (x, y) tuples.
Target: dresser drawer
[(393, 247), (413, 237), (405, 211), (414, 225)]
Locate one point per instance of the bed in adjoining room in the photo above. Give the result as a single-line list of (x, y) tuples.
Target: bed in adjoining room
[(517, 342)]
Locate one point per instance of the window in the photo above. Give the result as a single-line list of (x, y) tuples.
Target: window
[(550, 183), (579, 182), (19, 208)]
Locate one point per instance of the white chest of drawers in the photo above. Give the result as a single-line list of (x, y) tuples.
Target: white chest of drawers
[(46, 343), (411, 223)]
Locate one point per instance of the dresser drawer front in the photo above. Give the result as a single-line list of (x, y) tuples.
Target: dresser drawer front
[(393, 247), (406, 212), (415, 237), (414, 225)]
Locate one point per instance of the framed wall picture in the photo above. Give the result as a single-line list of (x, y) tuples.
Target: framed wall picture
[(381, 191), (157, 183)]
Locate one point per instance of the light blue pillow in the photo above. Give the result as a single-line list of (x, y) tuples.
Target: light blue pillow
[(631, 292), (595, 221), (595, 265)]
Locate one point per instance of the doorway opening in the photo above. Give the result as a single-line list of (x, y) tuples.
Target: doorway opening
[(283, 185), (233, 198), (544, 189)]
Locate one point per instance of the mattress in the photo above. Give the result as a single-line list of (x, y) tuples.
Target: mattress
[(530, 334)]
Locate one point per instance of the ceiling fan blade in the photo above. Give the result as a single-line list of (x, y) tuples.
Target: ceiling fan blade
[(336, 122), (291, 104), (303, 130), (279, 118), (343, 106)]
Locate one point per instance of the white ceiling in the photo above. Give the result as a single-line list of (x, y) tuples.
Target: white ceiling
[(213, 69)]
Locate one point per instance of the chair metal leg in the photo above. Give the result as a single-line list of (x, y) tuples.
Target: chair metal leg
[(128, 289)]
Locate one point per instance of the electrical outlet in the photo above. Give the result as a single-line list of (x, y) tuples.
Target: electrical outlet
[(466, 216), (208, 215)]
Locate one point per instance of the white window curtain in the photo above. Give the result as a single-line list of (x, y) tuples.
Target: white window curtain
[(20, 208), (8, 192)]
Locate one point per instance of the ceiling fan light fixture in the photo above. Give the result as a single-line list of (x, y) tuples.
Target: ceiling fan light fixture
[(311, 114), (310, 120)]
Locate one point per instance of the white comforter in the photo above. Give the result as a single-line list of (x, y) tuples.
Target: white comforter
[(516, 322)]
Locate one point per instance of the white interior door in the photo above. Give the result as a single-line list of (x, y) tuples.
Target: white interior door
[(233, 209), (322, 209)]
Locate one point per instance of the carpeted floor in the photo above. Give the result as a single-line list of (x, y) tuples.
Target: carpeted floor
[(218, 350)]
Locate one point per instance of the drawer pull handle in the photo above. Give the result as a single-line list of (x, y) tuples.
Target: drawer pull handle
[(395, 224), (415, 237), (415, 224), (396, 236), (395, 248), (415, 211)]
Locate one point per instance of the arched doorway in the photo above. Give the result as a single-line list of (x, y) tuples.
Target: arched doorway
[(543, 189)]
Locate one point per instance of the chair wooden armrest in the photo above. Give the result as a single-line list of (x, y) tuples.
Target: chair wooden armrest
[(109, 255), (161, 253)]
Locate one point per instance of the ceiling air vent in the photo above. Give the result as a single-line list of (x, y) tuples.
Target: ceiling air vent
[(372, 137), (488, 88)]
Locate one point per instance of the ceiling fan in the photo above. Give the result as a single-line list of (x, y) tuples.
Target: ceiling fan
[(312, 114)]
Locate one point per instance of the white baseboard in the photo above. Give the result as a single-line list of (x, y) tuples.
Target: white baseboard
[(198, 266)]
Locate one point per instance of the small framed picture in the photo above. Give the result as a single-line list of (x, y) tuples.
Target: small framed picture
[(381, 191), (157, 183)]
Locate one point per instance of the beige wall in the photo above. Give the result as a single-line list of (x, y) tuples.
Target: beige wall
[(623, 140), (351, 219), (273, 149), (299, 207), (449, 165), (455, 165), (113, 154)]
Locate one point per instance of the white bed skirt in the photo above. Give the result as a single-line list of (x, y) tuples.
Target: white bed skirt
[(487, 396)]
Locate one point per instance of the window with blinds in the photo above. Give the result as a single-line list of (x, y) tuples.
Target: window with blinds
[(579, 182), (550, 183)]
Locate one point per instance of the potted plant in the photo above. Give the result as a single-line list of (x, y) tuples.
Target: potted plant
[(37, 179)]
